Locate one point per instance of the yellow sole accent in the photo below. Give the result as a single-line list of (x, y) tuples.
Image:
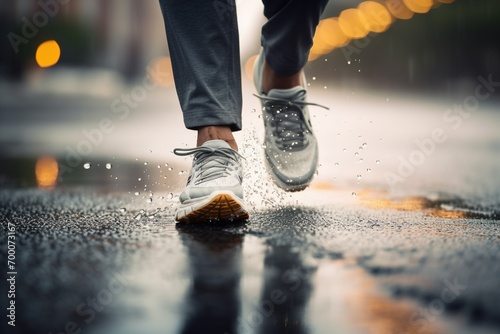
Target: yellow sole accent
[(221, 208)]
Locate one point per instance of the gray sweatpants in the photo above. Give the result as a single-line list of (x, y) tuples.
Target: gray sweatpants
[(203, 41)]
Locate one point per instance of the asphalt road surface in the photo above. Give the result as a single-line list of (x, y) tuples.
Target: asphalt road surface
[(381, 242)]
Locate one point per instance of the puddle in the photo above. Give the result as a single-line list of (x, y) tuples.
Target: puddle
[(434, 206)]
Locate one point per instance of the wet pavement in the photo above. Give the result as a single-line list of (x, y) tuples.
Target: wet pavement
[(97, 249), (107, 263)]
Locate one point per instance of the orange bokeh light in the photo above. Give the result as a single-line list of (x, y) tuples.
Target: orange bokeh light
[(160, 72), (377, 17), (419, 6), (398, 9), (328, 36), (370, 16), (331, 34), (48, 54), (46, 172), (351, 22)]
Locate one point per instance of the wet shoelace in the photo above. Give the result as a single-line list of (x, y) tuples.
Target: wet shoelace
[(213, 163), (288, 120)]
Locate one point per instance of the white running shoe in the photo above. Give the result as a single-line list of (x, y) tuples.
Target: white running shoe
[(213, 191), (291, 148)]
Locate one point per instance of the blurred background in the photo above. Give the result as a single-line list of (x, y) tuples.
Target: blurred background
[(87, 85), (87, 102), (415, 44)]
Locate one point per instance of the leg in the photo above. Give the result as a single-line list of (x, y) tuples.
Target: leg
[(224, 133), (204, 48), (272, 80), (203, 42), (290, 144), (288, 34), (287, 38)]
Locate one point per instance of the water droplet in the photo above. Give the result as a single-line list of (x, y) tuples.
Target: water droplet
[(138, 217), (150, 151), (314, 78), (360, 160), (145, 164), (324, 87), (159, 166), (356, 154), (359, 71), (170, 168), (353, 194), (253, 111), (139, 179), (149, 200), (136, 193), (87, 165), (344, 150), (377, 162), (326, 59), (336, 164), (365, 144), (108, 166), (122, 210), (182, 172), (358, 177), (348, 62), (170, 196), (369, 170)]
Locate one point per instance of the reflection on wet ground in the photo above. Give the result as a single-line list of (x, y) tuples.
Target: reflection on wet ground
[(434, 206), (110, 262), (213, 301)]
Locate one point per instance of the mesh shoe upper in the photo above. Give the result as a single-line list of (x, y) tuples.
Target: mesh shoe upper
[(216, 166), (290, 145)]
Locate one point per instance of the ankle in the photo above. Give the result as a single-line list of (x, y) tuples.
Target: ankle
[(213, 132), (272, 80)]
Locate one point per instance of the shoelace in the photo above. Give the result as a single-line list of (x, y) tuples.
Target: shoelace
[(288, 120), (204, 155)]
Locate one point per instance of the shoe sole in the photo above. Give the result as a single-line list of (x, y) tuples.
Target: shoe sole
[(218, 206)]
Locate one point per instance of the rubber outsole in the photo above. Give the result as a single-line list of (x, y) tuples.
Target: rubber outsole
[(220, 207)]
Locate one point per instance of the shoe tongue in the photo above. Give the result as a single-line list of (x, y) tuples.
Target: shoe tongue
[(286, 94), (216, 143)]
